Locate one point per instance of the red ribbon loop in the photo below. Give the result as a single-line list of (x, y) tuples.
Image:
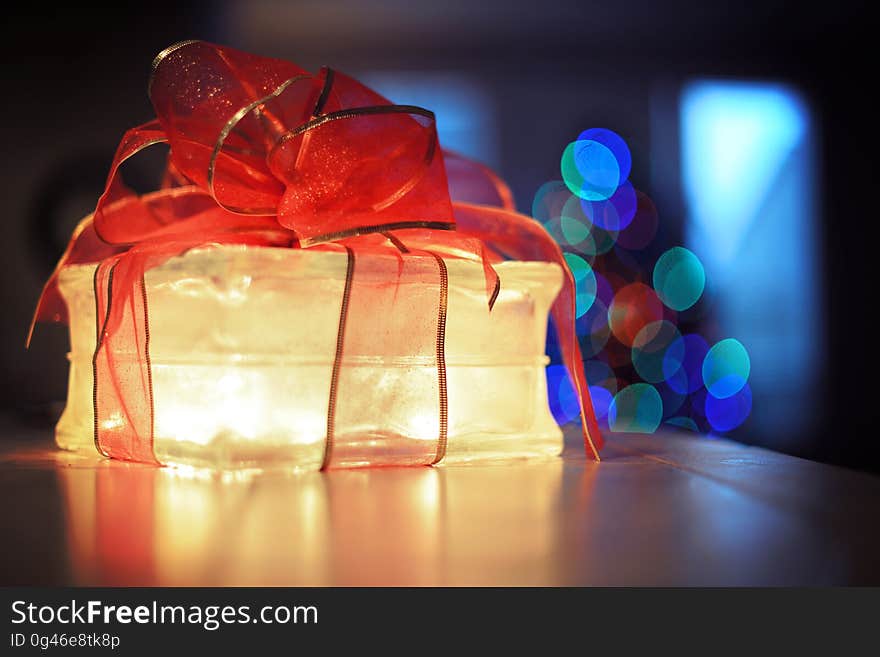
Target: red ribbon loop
[(325, 154)]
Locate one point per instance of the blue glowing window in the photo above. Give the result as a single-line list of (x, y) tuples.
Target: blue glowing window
[(747, 164)]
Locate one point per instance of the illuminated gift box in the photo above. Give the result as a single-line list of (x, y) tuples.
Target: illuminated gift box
[(243, 343), (316, 283)]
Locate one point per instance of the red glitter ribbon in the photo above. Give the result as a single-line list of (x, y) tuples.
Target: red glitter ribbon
[(266, 154)]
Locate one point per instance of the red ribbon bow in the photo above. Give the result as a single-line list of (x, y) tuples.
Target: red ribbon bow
[(264, 153)]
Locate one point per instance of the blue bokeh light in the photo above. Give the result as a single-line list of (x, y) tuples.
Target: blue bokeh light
[(614, 213), (726, 414), (590, 170), (614, 143), (601, 399), (683, 363), (563, 401), (726, 368)]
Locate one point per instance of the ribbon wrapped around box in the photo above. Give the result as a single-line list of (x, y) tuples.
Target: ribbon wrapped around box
[(315, 284)]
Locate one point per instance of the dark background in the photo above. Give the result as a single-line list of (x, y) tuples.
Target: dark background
[(75, 80)]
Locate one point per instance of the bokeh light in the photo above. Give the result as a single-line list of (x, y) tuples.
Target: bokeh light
[(636, 409), (599, 242), (683, 363), (574, 223), (726, 368), (650, 372), (580, 232), (649, 349), (593, 330), (563, 401), (614, 213), (584, 282), (601, 399), (590, 170), (634, 307), (727, 413), (613, 142), (549, 201), (679, 278)]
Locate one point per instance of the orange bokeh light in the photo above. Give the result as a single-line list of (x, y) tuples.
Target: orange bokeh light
[(634, 307)]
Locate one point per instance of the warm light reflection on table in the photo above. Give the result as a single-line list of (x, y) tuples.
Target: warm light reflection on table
[(663, 509), (130, 524)]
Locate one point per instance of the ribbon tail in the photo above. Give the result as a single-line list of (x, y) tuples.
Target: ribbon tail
[(122, 371), (524, 238), (563, 313)]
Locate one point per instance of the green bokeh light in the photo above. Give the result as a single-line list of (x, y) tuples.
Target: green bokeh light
[(726, 368), (650, 348), (679, 278), (575, 224), (636, 409), (584, 282), (590, 170)]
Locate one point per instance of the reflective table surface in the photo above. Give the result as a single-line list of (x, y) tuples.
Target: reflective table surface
[(666, 509)]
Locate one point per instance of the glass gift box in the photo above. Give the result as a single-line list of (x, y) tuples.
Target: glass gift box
[(243, 343)]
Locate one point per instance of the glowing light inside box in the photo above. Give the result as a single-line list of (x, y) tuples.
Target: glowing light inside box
[(243, 381)]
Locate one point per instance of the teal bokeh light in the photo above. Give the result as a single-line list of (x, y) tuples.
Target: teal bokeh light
[(679, 278), (730, 412), (549, 201), (584, 282), (636, 409), (590, 170), (726, 368), (574, 222), (615, 143), (650, 348)]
